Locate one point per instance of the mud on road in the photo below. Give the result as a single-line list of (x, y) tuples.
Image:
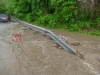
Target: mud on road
[(37, 54)]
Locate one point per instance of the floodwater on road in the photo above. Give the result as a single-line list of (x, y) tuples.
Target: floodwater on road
[(37, 54)]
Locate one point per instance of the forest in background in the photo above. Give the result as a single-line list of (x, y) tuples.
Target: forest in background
[(74, 15)]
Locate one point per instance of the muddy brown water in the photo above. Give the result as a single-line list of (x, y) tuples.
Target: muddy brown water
[(36, 54)]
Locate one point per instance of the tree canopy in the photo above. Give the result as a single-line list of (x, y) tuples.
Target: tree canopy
[(67, 14)]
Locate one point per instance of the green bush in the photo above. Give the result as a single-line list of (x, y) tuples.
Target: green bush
[(48, 20), (29, 17), (94, 32), (74, 27)]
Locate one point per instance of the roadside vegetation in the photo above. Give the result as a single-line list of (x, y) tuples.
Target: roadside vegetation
[(74, 15)]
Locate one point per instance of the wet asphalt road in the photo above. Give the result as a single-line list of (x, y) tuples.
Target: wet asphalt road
[(36, 54)]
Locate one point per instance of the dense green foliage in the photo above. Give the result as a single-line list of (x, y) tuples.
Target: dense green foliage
[(75, 15)]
